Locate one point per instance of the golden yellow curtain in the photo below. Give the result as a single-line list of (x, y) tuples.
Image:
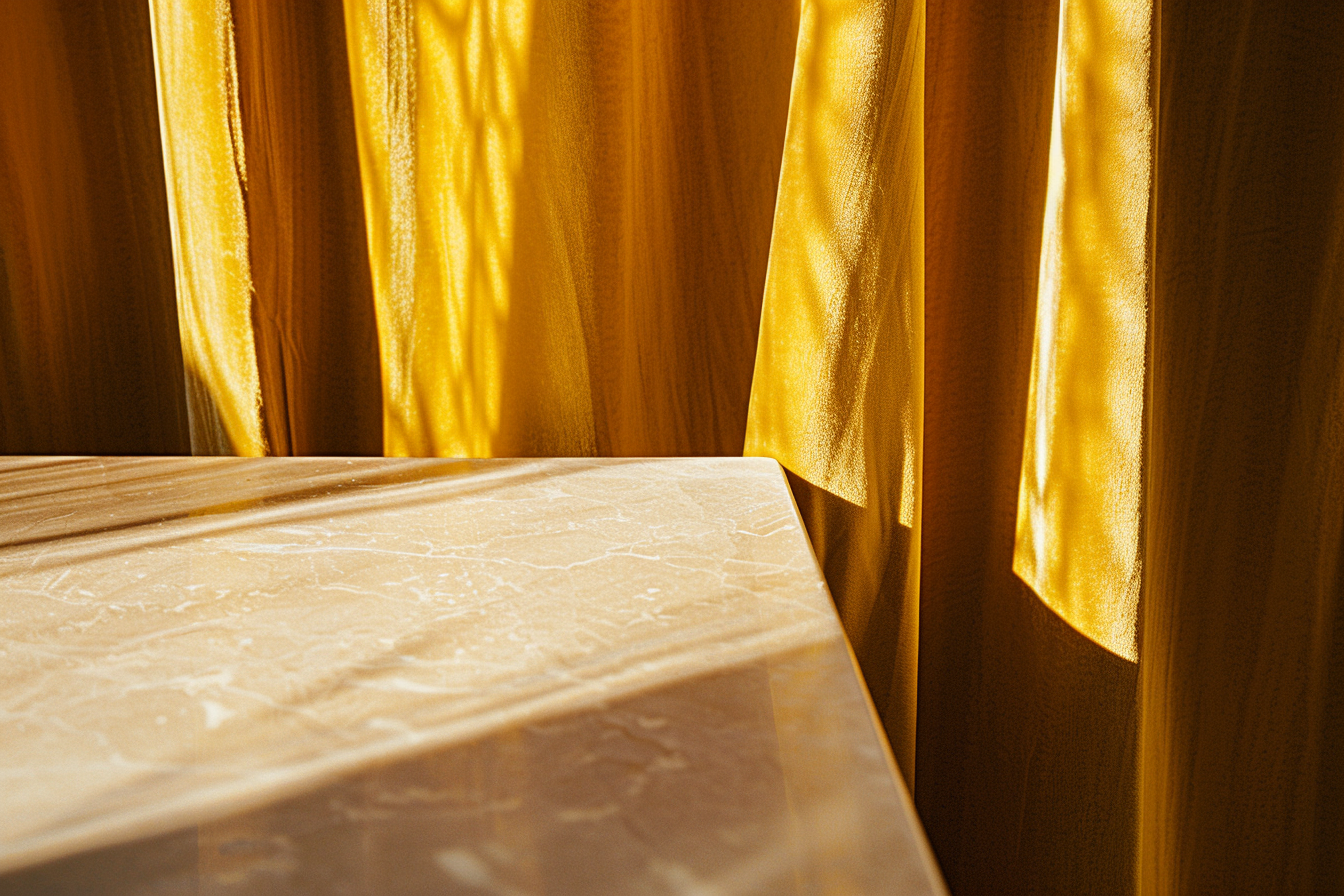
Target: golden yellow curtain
[(1241, 695), (1038, 305), (569, 210), (836, 391), (1025, 744)]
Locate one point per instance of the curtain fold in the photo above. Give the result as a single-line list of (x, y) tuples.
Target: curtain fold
[(1242, 658), (90, 358), (569, 215), (205, 169), (312, 293), (1077, 543), (1039, 306), (836, 394), (1026, 779)]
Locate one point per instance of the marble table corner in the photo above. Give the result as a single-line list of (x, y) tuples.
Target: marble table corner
[(368, 676)]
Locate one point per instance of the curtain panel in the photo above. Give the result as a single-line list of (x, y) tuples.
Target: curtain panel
[(1038, 304)]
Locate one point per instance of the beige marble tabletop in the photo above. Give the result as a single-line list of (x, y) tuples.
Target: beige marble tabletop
[(405, 676)]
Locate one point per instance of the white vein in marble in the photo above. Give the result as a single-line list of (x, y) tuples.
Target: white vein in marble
[(184, 638)]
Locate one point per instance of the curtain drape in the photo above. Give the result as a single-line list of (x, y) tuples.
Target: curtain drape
[(1038, 304)]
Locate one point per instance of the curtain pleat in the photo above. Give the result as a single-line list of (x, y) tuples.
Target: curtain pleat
[(312, 302), (205, 166), (1242, 657), (569, 217), (89, 355), (836, 395), (1026, 727), (1078, 505), (1039, 306)]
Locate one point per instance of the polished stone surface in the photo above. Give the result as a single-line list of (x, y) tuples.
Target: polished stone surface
[(405, 676)]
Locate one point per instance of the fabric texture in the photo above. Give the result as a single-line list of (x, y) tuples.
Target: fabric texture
[(1025, 744), (836, 391), (1039, 305)]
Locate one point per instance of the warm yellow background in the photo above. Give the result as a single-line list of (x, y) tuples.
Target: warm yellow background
[(1038, 304)]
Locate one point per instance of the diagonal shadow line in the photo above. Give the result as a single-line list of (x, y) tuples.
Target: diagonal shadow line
[(352, 505)]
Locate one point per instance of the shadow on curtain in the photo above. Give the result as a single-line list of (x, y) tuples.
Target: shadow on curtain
[(1026, 779), (89, 355), (1047, 337), (568, 209)]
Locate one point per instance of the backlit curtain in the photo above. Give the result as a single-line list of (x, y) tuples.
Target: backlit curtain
[(1038, 304)]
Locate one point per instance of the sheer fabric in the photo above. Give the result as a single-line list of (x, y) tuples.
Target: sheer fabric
[(1038, 304)]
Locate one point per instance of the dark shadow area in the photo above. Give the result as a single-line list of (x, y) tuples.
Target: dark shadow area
[(867, 570), (313, 312), (1025, 773), (1242, 645), (1050, 757), (91, 357), (583, 802)]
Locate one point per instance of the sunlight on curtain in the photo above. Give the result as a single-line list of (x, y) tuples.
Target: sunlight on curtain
[(836, 396), (1079, 500), (206, 173), (438, 87), (544, 227), (568, 209)]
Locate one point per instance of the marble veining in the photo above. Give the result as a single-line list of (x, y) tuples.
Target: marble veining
[(187, 641)]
